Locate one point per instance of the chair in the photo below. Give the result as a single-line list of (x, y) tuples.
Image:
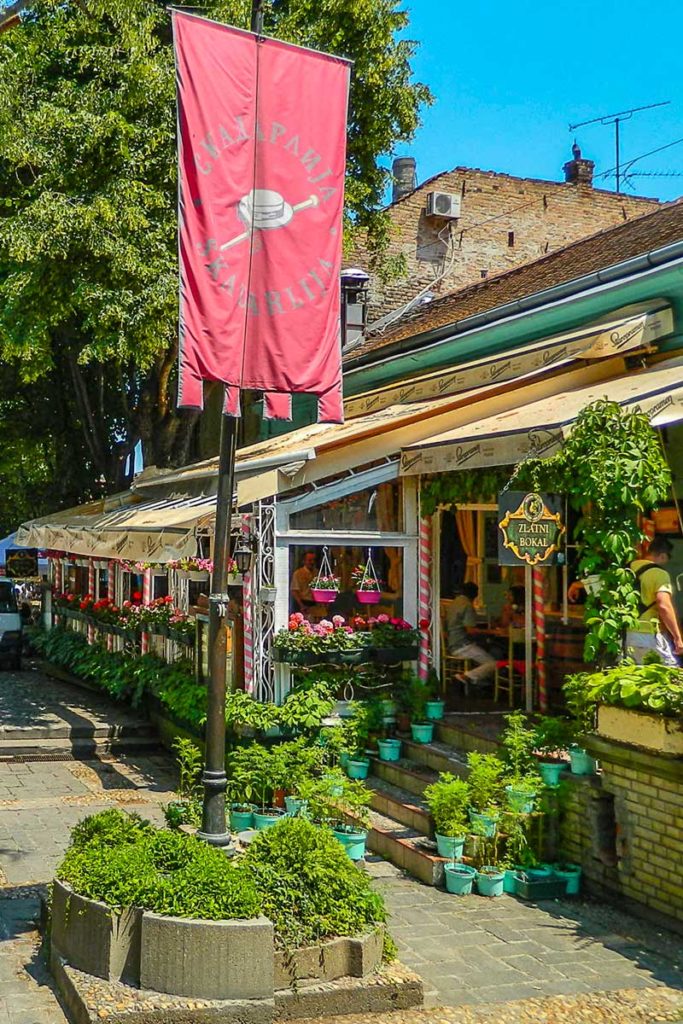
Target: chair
[(451, 664), (510, 671)]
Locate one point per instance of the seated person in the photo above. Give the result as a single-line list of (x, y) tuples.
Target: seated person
[(512, 613), (461, 617)]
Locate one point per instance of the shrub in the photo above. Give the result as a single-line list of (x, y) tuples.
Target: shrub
[(652, 687), (309, 888), (126, 865), (448, 799), (485, 782)]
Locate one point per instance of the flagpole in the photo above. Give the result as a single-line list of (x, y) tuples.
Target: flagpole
[(214, 778)]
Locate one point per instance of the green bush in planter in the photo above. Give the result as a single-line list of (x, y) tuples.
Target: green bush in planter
[(485, 783), (309, 888)]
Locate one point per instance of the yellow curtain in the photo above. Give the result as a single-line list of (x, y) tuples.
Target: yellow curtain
[(466, 524)]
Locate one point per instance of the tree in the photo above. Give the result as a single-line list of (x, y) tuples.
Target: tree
[(88, 265)]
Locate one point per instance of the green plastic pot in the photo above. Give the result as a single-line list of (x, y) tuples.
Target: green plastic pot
[(535, 889), (571, 876), (509, 882), (459, 878), (266, 819), (389, 750), (422, 732), (520, 800), (490, 882), (295, 805), (344, 759), (582, 763), (241, 818), (357, 768), (450, 846), (434, 710), (337, 789), (550, 772), (486, 824), (352, 839)]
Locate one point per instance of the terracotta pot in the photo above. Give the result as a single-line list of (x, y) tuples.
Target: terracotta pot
[(279, 797)]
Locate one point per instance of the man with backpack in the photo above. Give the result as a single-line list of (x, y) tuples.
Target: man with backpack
[(658, 629)]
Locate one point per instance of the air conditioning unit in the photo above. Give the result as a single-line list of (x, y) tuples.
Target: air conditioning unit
[(443, 204)]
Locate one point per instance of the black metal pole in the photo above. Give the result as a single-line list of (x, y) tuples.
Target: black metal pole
[(616, 141), (215, 781)]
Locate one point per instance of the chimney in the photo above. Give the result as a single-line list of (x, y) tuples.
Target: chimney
[(404, 175), (579, 171)]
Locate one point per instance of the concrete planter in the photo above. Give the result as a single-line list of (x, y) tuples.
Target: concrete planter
[(95, 939), (207, 959), (641, 729), (337, 958)]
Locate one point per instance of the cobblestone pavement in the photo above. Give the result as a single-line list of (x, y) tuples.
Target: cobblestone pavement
[(483, 962)]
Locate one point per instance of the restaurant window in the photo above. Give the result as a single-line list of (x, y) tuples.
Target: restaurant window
[(305, 561), (375, 509), (102, 583), (159, 586)]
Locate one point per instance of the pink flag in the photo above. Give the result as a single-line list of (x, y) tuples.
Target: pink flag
[(262, 147)]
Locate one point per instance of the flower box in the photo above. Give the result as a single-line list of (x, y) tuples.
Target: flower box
[(394, 655), (303, 657), (641, 729)]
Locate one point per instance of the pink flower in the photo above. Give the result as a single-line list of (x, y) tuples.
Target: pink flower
[(296, 617), (384, 619), (347, 629), (338, 620), (372, 621)]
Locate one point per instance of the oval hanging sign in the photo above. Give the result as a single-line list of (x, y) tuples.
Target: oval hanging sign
[(530, 528)]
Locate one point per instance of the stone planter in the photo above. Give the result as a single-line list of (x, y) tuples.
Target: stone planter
[(641, 729), (207, 959), (337, 958), (93, 938)]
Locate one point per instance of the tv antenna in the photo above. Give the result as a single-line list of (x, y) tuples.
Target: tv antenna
[(616, 119)]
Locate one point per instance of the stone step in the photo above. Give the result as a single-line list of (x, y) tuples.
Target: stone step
[(77, 749), (77, 731), (405, 847), (404, 774), (400, 805), (454, 732), (436, 756)]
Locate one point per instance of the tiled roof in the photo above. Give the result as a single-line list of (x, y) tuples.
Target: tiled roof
[(604, 249)]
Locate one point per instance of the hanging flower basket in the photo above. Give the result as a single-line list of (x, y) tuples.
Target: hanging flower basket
[(368, 587), (325, 587)]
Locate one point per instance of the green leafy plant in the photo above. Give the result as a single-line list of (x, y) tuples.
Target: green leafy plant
[(519, 742), (448, 799), (653, 687), (414, 696), (243, 710), (485, 781), (613, 469), (309, 887), (306, 707), (553, 735)]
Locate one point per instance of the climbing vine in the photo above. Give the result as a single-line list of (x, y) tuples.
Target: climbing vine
[(612, 468), (462, 487)]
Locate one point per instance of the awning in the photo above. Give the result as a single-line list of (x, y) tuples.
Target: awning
[(625, 331), (152, 531), (538, 429)]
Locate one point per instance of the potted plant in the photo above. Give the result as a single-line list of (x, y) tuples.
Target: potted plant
[(369, 722), (570, 875), (448, 799), (365, 583), (485, 783), (325, 589), (459, 878), (257, 772), (518, 750), (417, 695), (490, 880), (435, 706), (352, 829), (389, 750), (552, 737), (582, 705)]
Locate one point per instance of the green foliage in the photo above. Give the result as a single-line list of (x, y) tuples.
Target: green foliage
[(126, 677), (309, 887), (241, 709), (485, 782), (612, 468), (448, 799), (446, 490), (519, 742), (189, 759), (652, 687), (110, 828), (306, 707), (88, 255), (552, 735), (165, 872), (413, 695)]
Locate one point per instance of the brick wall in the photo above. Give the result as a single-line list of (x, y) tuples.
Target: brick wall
[(537, 217), (625, 827)]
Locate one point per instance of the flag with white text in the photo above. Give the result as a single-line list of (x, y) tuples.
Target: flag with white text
[(262, 149)]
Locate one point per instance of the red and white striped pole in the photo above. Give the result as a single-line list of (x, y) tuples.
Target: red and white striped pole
[(146, 598), (58, 576), (539, 623), (111, 594), (424, 602), (91, 593), (248, 621)]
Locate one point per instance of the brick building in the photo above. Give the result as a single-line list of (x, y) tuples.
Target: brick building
[(503, 222)]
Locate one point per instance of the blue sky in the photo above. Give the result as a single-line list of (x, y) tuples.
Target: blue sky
[(510, 77)]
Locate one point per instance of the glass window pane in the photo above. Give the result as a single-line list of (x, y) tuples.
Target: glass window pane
[(376, 508), (305, 561)]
